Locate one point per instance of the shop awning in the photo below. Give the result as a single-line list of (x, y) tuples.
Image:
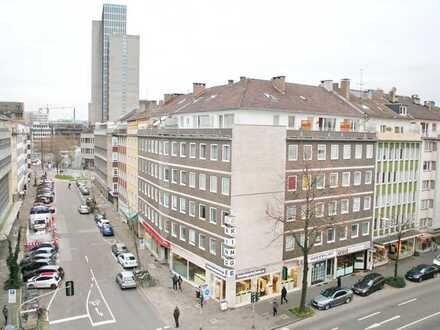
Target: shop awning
[(381, 241), (155, 235)]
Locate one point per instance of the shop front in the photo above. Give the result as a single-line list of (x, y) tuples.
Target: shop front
[(424, 243), (386, 248), (407, 247), (157, 245), (292, 278)]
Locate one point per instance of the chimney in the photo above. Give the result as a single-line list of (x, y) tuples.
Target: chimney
[(415, 99), (327, 85), (242, 78), (279, 83), (345, 88), (429, 104), (392, 96), (335, 86), (230, 82), (198, 88)]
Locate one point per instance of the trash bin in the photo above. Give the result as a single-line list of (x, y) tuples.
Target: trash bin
[(223, 305)]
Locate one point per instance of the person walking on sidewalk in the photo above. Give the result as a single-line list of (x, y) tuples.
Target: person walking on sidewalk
[(176, 315), (5, 314), (174, 278), (179, 282), (274, 308), (283, 295)]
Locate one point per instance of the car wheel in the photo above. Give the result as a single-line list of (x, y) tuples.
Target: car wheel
[(347, 300), (53, 286), (327, 307), (420, 279), (31, 286)]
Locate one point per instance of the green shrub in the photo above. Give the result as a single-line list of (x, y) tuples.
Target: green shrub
[(396, 282), (308, 312), (64, 177)]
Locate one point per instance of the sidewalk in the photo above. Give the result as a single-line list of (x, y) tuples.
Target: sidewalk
[(165, 299)]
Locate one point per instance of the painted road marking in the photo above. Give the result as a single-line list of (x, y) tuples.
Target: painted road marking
[(407, 302), (368, 316), (87, 259), (67, 319), (335, 328), (376, 325), (418, 321), (52, 298)]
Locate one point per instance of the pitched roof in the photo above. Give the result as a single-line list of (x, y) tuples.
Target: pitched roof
[(418, 111), (374, 107), (128, 115), (261, 94)]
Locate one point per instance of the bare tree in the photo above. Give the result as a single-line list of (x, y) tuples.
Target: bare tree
[(400, 228), (59, 147), (310, 223)]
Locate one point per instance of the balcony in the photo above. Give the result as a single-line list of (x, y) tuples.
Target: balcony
[(231, 231), (229, 252), (229, 220), (229, 242), (229, 262)]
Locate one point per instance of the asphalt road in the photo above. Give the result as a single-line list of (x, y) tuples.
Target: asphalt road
[(416, 307), (87, 259)]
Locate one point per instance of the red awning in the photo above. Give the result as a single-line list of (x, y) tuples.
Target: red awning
[(155, 235)]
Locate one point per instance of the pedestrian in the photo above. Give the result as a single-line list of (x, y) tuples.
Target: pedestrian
[(179, 282), (283, 295), (5, 314), (176, 315), (201, 299), (174, 282), (275, 308)]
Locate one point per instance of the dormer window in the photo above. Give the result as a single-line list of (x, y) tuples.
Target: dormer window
[(403, 110)]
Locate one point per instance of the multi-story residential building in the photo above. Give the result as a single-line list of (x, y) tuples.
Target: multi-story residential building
[(219, 157), (12, 110), (19, 158), (87, 140), (120, 134), (5, 173), (115, 66)]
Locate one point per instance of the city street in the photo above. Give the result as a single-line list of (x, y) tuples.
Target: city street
[(415, 307), (87, 259)]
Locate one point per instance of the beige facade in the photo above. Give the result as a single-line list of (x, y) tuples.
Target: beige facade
[(132, 166)]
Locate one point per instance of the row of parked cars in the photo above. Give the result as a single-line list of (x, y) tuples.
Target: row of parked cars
[(371, 283), (126, 279)]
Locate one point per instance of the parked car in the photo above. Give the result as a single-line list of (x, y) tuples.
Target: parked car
[(41, 251), (332, 297), (43, 199), (368, 284), (37, 264), (119, 248), (84, 190), (83, 209), (45, 245), (99, 216), (102, 222), (51, 268), (127, 260), (45, 195), (422, 272), (107, 230), (436, 260), (44, 281), (39, 224), (126, 280), (37, 257)]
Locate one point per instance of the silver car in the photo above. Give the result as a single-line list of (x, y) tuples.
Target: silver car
[(126, 280), (332, 297)]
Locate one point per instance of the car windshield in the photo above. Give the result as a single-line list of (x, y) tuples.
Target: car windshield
[(39, 222), (420, 268), (129, 278), (328, 292), (131, 258), (39, 211)]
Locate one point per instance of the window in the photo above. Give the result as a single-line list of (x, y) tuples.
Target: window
[(365, 228), (182, 205), (291, 183), (214, 152), (183, 178), (292, 152), (183, 233), (343, 233), (226, 153), (192, 208), (321, 151), (174, 175), (345, 179), (202, 151), (427, 204), (356, 204), (182, 149), (202, 211), (174, 147), (174, 202), (192, 150), (213, 184), (318, 238), (307, 152), (202, 181), (192, 237), (333, 180), (290, 243), (304, 212), (354, 230), (320, 181), (225, 186), (202, 242), (166, 148), (332, 208), (368, 177), (367, 202), (213, 215), (357, 178), (290, 213), (166, 199), (192, 179), (330, 235), (344, 206), (334, 152), (319, 210), (213, 246), (174, 229), (307, 182), (347, 151), (291, 121), (358, 151)]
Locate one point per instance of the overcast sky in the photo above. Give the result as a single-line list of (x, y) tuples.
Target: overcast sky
[(46, 45)]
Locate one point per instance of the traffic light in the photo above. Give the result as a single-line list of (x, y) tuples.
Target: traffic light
[(284, 274), (69, 288)]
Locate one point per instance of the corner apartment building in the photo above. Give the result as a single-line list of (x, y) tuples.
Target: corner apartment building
[(223, 155), (87, 141)]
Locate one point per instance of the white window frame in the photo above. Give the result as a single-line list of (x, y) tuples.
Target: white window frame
[(201, 247), (357, 174), (202, 182), (226, 184), (356, 205), (293, 217), (347, 210), (200, 150), (291, 240), (358, 151), (174, 151), (369, 151), (320, 239), (192, 208), (337, 179), (343, 238), (321, 206), (182, 149), (334, 235), (369, 174), (367, 206), (334, 154), (346, 154), (213, 187), (323, 181), (206, 209), (355, 235), (192, 237), (349, 177), (226, 150), (213, 252), (368, 229), (292, 152), (192, 179), (212, 153), (181, 233), (322, 147), (335, 203), (211, 209), (192, 150), (182, 205), (307, 146)]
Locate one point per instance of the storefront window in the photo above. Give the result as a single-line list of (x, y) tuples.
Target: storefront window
[(180, 265), (344, 265), (293, 276), (262, 285), (196, 274), (219, 289), (276, 279), (243, 291)]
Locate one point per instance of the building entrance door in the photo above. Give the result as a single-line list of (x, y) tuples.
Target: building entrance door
[(318, 272)]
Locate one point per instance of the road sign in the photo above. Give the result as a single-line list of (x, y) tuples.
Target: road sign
[(12, 296)]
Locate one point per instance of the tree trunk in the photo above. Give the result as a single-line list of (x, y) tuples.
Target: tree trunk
[(302, 304), (396, 262)]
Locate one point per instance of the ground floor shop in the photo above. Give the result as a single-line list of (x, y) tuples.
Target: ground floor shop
[(153, 242), (386, 249), (425, 243)]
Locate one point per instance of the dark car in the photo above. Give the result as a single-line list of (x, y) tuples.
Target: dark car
[(422, 272), (107, 230), (119, 248), (369, 284), (332, 297), (36, 264), (48, 196), (43, 199), (44, 245), (38, 257)]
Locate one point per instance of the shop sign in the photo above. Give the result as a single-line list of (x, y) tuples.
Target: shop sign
[(215, 270), (322, 256), (250, 273), (353, 248)]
